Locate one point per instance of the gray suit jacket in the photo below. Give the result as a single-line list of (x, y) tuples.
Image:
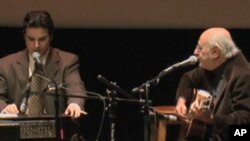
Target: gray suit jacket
[(60, 66)]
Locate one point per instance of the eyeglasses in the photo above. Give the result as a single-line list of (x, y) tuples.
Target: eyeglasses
[(200, 47)]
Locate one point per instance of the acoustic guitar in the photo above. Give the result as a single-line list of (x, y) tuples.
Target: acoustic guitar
[(194, 125)]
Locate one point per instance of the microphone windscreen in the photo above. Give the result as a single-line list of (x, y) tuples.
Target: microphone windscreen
[(36, 55), (193, 59)]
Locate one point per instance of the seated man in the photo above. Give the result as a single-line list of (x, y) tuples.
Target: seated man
[(60, 66), (224, 72)]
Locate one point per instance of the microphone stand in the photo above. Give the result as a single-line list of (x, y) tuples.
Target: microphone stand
[(56, 95), (144, 92), (155, 80), (111, 92), (145, 109), (59, 135), (144, 88), (113, 100), (112, 104), (57, 118), (190, 61), (111, 108)]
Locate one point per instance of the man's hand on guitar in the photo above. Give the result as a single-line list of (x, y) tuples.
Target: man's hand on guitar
[(200, 109), (181, 107), (195, 108), (200, 104)]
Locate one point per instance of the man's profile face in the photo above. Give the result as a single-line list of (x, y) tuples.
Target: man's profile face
[(37, 40), (203, 53)]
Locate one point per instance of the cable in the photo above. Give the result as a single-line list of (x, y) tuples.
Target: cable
[(61, 86), (104, 105)]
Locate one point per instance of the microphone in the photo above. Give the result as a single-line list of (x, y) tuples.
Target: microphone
[(105, 81), (190, 61), (24, 103), (36, 56), (113, 86)]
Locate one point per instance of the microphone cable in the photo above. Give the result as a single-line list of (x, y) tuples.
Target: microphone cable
[(103, 112)]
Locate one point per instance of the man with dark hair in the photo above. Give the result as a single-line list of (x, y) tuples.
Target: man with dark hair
[(17, 69), (219, 87), (38, 19)]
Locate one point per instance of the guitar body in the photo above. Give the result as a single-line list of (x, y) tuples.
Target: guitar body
[(192, 130), (196, 129)]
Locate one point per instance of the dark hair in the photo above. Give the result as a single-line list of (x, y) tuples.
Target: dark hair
[(38, 19)]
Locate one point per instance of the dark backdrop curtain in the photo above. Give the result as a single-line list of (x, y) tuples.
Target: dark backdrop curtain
[(128, 57)]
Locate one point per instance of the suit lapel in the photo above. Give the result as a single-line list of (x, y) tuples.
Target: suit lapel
[(52, 63), (223, 84), (220, 93), (51, 67)]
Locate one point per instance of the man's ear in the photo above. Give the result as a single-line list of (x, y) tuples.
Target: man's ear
[(51, 37), (216, 52)]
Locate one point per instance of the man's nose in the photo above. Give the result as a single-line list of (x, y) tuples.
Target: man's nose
[(37, 43), (196, 51)]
